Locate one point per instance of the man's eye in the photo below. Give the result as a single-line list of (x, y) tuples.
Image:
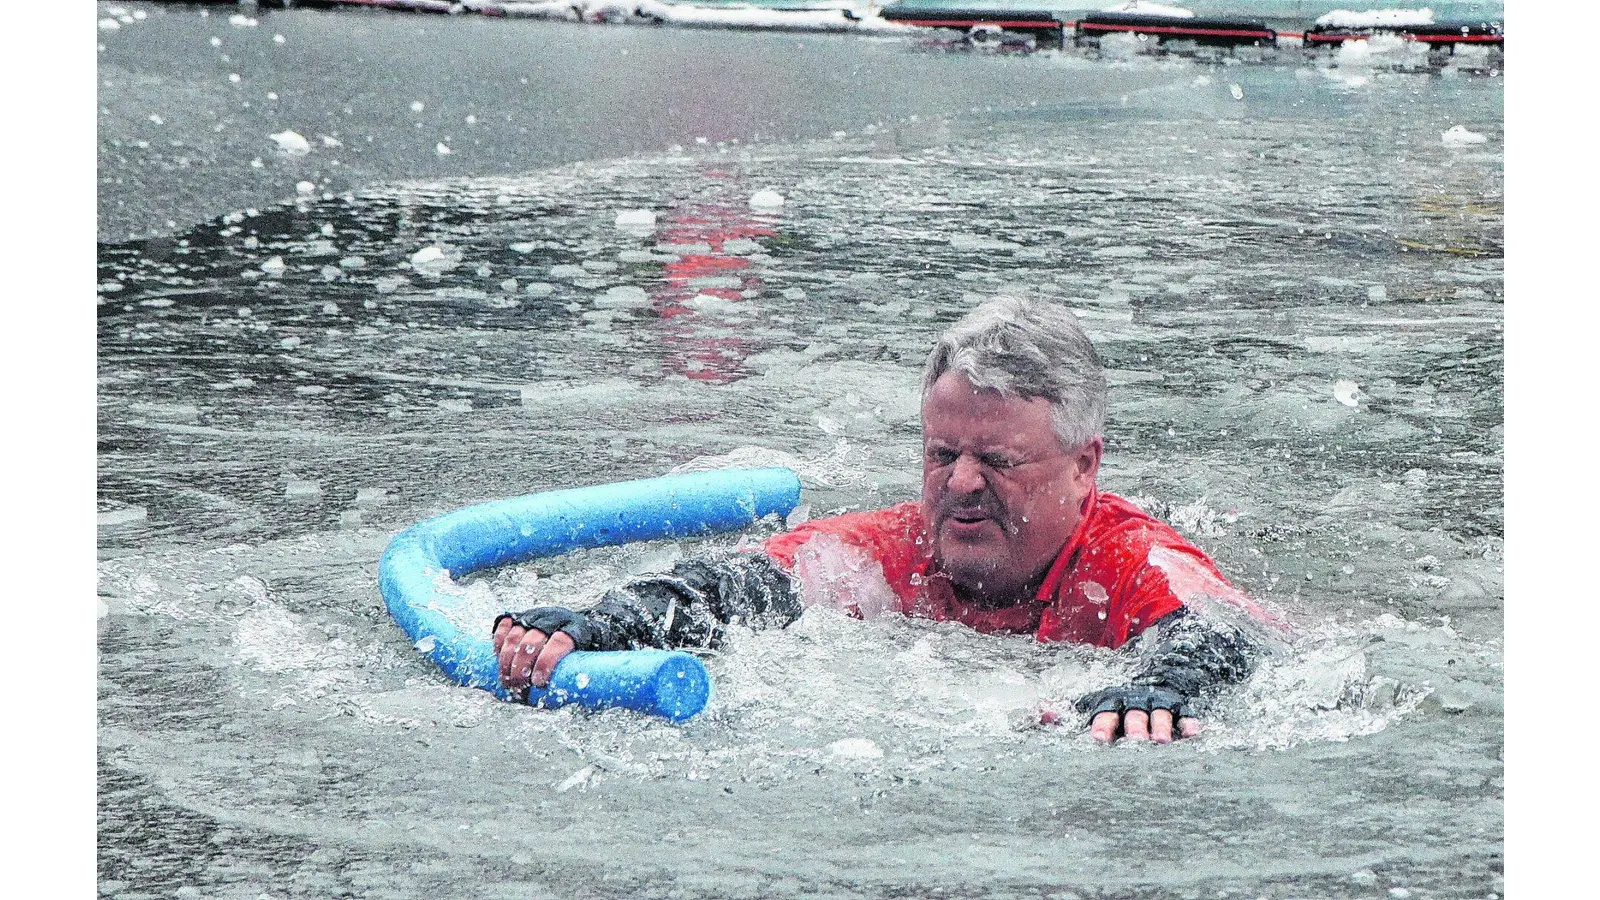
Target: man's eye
[(995, 461), (942, 456)]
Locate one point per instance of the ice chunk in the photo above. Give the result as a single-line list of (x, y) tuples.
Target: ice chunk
[(273, 266), (576, 779), (304, 188), (539, 289), (1145, 8), (441, 149), (856, 748), (1346, 392), (368, 497), (238, 20), (109, 25), (456, 405), (329, 141), (636, 218), (1459, 136), (435, 260), (427, 644), (1236, 91), (277, 39), (302, 491), (115, 518), (623, 296), (352, 262), (1344, 18), (416, 106), (291, 142), (766, 199)]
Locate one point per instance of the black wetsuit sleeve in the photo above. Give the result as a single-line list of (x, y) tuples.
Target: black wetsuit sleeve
[(1183, 662), (691, 606)]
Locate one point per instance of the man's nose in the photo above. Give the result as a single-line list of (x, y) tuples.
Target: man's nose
[(967, 476)]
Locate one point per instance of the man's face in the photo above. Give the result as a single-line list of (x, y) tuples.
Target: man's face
[(1000, 494)]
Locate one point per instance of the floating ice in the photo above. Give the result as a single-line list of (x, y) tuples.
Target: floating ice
[(416, 106), (157, 119), (330, 141), (101, 609), (216, 42), (109, 25), (233, 77), (1236, 91), (434, 260), (277, 39), (856, 748), (1459, 136), (1346, 392), (623, 295), (636, 218), (291, 142), (766, 200), (456, 405), (1344, 18), (524, 247), (273, 266), (114, 518), (576, 779), (368, 497), (302, 491), (539, 289), (351, 262), (1143, 8), (441, 149), (427, 644), (242, 21), (304, 188)]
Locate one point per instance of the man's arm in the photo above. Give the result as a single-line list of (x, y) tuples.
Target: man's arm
[(1185, 658), (688, 607)]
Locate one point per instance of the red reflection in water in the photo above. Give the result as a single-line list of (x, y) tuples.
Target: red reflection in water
[(692, 351)]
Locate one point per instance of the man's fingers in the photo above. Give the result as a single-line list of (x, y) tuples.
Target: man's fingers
[(522, 663), (1136, 725), (559, 645), (1161, 726), (1189, 726), (506, 644), (500, 631), (1104, 727)]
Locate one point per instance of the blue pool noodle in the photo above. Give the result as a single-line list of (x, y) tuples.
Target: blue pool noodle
[(667, 683)]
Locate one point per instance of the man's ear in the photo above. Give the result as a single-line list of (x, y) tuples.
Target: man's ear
[(1087, 461)]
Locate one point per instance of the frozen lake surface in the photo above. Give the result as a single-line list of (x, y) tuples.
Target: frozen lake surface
[(1295, 280)]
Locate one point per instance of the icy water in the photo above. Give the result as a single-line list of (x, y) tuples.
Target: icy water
[(1296, 285)]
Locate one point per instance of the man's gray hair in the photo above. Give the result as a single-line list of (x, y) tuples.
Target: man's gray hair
[(1028, 348)]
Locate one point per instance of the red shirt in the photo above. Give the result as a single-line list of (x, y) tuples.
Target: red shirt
[(1119, 572)]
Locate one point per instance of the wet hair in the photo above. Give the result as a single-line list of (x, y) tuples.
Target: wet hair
[(1028, 348)]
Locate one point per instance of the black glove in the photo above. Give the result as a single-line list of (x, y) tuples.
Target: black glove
[(551, 619), (1134, 696)]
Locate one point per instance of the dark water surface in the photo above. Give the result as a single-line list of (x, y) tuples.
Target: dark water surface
[(280, 392)]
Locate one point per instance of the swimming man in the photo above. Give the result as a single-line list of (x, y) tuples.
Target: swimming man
[(1011, 536)]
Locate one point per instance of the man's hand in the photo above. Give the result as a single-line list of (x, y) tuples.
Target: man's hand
[(1137, 725), (1139, 713), (528, 655)]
